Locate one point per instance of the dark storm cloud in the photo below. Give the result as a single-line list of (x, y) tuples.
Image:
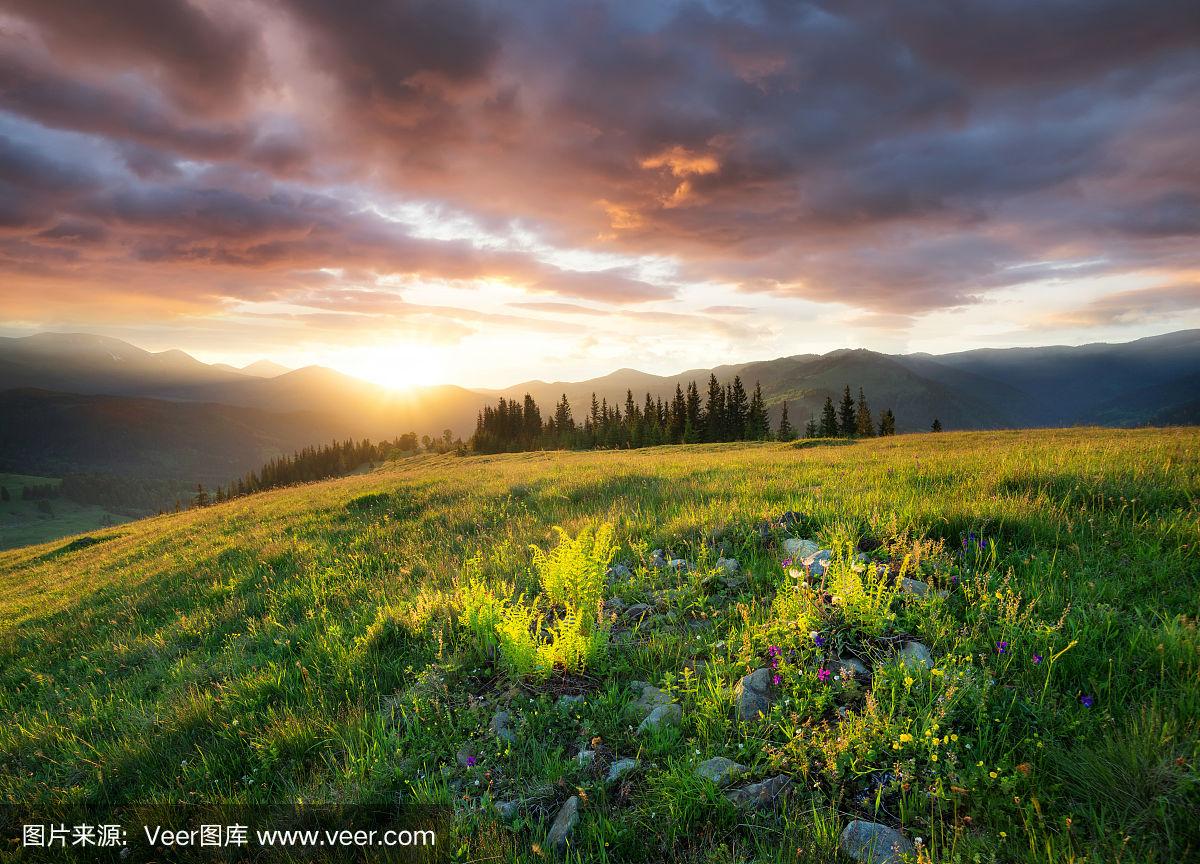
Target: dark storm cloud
[(898, 157)]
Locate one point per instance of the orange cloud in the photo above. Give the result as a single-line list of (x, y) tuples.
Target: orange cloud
[(683, 162)]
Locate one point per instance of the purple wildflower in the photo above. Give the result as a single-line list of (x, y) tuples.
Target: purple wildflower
[(818, 640), (1087, 701), (1001, 647), (1037, 658), (471, 760), (823, 675), (787, 562), (774, 650), (774, 662), (776, 680)]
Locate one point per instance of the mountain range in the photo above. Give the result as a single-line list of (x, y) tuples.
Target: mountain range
[(85, 403)]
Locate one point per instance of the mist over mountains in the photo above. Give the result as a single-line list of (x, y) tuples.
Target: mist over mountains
[(87, 403)]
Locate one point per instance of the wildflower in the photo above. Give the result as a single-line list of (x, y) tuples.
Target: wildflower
[(818, 640), (934, 757), (953, 737), (1003, 834), (993, 774), (1087, 701), (895, 746), (787, 562), (908, 680), (823, 675), (1037, 658), (905, 737), (776, 680), (773, 650), (471, 761), (1001, 647)]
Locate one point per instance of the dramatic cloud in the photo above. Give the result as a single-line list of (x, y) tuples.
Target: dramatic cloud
[(679, 162)]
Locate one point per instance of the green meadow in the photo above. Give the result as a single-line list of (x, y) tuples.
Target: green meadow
[(350, 643)]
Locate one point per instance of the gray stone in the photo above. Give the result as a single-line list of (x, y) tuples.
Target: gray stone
[(760, 796), (720, 770), (658, 559), (638, 612), (789, 520), (729, 565), (621, 769), (751, 694), (851, 667), (507, 810), (651, 697), (618, 572), (913, 586), (501, 725), (585, 757), (818, 562), (614, 606), (564, 824), (466, 755), (680, 564), (663, 715), (872, 843), (566, 701), (798, 547), (916, 654)]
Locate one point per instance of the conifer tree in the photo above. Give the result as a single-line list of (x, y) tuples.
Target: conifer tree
[(737, 412), (887, 423), (829, 423), (714, 410), (864, 427), (936, 426), (786, 432), (810, 428), (846, 415), (678, 416), (692, 416)]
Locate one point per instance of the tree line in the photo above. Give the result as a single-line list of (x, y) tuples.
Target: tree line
[(725, 413)]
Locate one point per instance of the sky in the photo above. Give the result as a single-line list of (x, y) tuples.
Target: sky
[(481, 193)]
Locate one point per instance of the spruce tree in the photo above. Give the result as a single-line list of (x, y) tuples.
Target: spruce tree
[(714, 410), (848, 422), (887, 423), (936, 426), (737, 411), (810, 428), (678, 418), (692, 416), (864, 428), (829, 423), (786, 432)]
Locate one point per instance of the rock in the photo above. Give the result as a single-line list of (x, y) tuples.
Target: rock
[(585, 757), (789, 520), (564, 824), (618, 572), (501, 725), (751, 694), (729, 565), (658, 559), (620, 769), (851, 667), (760, 796), (764, 531), (913, 586), (638, 612), (872, 843), (566, 701), (797, 548), (638, 686), (651, 697), (614, 606), (507, 810), (818, 562), (663, 715), (466, 756), (680, 564), (914, 653), (720, 770)]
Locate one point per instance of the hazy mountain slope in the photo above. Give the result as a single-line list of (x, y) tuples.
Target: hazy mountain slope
[(58, 433), (84, 363)]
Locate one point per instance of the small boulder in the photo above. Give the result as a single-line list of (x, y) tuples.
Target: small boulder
[(618, 572), (789, 520), (564, 824), (851, 667), (638, 612), (729, 565), (614, 606), (507, 810), (466, 756), (650, 697), (663, 715), (501, 725), (568, 702), (818, 562), (720, 770), (680, 564), (916, 654), (760, 796), (621, 769), (797, 548), (913, 586), (658, 559), (872, 843), (751, 694), (585, 757)]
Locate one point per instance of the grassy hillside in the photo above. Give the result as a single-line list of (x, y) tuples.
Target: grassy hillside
[(312, 646), (22, 522)]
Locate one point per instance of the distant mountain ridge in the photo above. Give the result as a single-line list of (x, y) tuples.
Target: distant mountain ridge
[(191, 420)]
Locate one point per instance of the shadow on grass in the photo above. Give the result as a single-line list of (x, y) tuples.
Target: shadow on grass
[(806, 443), (75, 545)]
